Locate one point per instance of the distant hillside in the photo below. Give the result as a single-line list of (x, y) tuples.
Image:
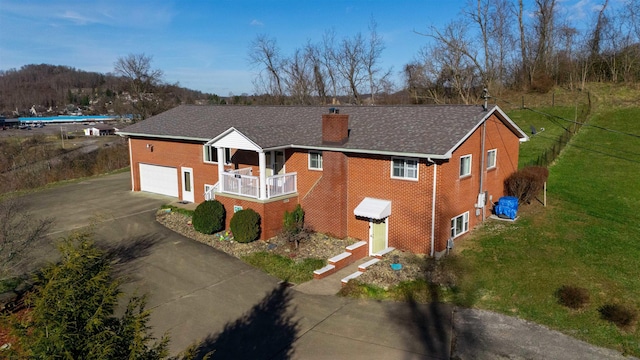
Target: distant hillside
[(55, 89)]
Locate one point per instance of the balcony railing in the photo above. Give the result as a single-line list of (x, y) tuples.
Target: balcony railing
[(245, 185), (248, 185), (283, 184)]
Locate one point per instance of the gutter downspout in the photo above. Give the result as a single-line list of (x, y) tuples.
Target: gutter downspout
[(433, 207), (482, 169), (133, 176)]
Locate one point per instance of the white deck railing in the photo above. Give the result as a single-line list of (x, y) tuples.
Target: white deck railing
[(210, 194), (243, 171), (248, 185), (245, 185), (282, 184)]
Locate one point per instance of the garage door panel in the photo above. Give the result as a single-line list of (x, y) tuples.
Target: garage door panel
[(159, 179)]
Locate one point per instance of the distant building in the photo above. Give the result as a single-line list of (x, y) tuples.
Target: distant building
[(100, 130)]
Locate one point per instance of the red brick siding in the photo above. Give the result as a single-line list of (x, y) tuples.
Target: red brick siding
[(325, 203), (271, 213), (457, 195), (175, 154), (410, 221)]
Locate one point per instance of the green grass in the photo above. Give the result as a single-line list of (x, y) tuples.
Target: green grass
[(284, 268), (543, 140), (587, 236), (178, 210)]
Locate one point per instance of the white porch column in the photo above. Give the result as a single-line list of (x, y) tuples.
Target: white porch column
[(220, 152), (262, 163)]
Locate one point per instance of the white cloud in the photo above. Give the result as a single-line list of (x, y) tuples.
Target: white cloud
[(256, 22)]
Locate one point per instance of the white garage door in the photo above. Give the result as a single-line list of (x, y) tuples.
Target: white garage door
[(159, 179)]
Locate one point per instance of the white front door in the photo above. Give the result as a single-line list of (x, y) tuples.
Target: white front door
[(187, 184)]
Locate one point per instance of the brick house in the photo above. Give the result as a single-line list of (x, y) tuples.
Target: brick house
[(409, 177)]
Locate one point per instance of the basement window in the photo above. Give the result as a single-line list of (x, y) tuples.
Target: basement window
[(459, 225), (402, 168)]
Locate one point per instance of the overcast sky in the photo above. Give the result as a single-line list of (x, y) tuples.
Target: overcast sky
[(203, 45)]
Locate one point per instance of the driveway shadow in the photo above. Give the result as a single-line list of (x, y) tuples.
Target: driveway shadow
[(123, 254), (267, 331)]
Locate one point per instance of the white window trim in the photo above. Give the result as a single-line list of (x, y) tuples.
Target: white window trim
[(495, 159), (204, 154), (405, 165), (465, 227), (319, 160), (470, 165)]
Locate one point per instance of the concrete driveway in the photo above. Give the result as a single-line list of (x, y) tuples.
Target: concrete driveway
[(201, 296)]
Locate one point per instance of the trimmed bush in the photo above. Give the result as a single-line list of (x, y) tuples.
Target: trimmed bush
[(245, 225), (209, 217), (620, 315), (526, 183), (573, 297), (294, 221)]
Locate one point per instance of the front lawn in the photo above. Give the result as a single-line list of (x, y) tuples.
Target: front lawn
[(587, 236), (283, 267)]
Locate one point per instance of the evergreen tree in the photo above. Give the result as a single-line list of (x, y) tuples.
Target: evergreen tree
[(72, 311)]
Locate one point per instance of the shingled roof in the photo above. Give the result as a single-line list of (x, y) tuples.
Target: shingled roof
[(424, 131)]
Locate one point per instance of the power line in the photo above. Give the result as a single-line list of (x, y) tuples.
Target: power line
[(572, 121)]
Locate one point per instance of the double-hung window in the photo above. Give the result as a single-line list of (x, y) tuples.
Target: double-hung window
[(315, 160), (465, 165), (210, 154), (459, 225), (491, 158), (402, 168)]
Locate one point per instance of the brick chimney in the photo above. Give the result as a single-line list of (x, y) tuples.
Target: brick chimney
[(335, 127)]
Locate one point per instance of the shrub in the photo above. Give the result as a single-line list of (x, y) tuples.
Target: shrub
[(294, 230), (245, 225), (209, 217), (573, 297), (620, 315), (526, 183), (294, 221)]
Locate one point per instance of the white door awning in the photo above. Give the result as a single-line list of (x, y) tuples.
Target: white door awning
[(373, 208)]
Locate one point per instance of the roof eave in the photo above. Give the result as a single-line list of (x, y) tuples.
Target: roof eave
[(170, 137)]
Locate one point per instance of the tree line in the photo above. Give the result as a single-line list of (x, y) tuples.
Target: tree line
[(495, 44), (133, 88)]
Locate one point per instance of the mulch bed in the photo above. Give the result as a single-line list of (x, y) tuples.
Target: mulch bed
[(319, 246)]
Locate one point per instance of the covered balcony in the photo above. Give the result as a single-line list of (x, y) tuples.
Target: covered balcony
[(272, 181), (241, 182)]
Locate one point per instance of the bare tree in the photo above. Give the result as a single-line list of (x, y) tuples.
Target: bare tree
[(264, 53), (328, 60), (18, 231), (142, 78), (370, 59), (314, 55), (299, 77), (349, 65)]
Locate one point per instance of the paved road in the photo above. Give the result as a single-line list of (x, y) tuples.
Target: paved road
[(201, 296)]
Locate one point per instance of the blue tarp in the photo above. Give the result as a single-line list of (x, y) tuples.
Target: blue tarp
[(507, 207)]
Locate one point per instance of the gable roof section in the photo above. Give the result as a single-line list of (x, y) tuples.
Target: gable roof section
[(417, 130)]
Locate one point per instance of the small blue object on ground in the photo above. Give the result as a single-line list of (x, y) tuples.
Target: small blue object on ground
[(396, 266), (507, 207)]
